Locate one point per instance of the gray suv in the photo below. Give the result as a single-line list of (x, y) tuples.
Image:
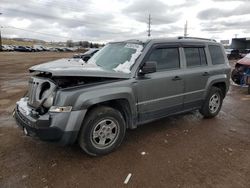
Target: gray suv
[(122, 86)]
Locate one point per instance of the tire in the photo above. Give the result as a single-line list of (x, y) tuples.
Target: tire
[(102, 131), (236, 77), (213, 102)]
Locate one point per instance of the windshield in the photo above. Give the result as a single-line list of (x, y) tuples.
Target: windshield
[(117, 56)]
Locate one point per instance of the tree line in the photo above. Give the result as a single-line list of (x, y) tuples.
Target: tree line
[(84, 44)]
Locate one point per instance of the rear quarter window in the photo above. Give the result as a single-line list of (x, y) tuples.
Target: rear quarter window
[(195, 56), (216, 54)]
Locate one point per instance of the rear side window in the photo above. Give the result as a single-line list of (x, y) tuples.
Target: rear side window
[(166, 58), (216, 54), (203, 56), (195, 57), (192, 56)]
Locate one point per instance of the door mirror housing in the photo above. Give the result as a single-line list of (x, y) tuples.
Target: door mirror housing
[(148, 67), (86, 58)]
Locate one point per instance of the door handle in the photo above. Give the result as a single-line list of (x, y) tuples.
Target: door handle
[(176, 78), (205, 74)]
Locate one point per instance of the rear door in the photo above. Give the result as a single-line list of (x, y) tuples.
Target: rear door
[(160, 93), (195, 76)]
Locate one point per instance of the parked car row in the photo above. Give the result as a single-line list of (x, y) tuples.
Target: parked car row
[(236, 53), (36, 48)]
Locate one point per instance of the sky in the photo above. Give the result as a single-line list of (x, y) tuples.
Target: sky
[(114, 20)]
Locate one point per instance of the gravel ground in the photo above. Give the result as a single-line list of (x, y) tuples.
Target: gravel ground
[(180, 151)]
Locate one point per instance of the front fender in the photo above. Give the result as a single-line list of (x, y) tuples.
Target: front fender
[(89, 98)]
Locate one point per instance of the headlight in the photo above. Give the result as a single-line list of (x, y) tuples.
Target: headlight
[(46, 93), (49, 101), (60, 108)]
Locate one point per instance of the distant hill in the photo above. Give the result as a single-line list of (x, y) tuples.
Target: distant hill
[(22, 41), (31, 42), (28, 40)]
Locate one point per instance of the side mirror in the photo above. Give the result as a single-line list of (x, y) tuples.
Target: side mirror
[(86, 58), (148, 67)]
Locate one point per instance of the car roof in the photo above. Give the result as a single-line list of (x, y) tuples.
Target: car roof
[(173, 40)]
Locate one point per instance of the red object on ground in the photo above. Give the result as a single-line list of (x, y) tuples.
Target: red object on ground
[(245, 60)]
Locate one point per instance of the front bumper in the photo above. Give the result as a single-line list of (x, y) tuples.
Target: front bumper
[(59, 127), (37, 127)]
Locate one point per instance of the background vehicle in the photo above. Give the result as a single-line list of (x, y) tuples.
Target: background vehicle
[(22, 49), (233, 53), (241, 73), (40, 48), (7, 48), (244, 52), (124, 85), (4, 48)]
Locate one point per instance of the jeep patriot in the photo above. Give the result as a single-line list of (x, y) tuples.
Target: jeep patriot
[(122, 86)]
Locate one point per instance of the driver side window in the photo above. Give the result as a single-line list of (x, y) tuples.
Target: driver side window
[(166, 58)]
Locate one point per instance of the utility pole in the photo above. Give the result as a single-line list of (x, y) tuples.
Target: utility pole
[(185, 29), (1, 49), (149, 25)]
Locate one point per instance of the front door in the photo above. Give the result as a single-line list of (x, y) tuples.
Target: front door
[(161, 93)]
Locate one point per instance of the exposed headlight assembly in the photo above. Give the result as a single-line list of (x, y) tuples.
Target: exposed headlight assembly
[(49, 101), (47, 93), (60, 109)]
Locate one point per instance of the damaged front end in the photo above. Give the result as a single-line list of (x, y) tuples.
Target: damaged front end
[(39, 114), (43, 87), (51, 108), (33, 115)]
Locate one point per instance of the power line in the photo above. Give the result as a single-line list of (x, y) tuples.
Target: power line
[(66, 5), (41, 33), (61, 19), (1, 49), (84, 23)]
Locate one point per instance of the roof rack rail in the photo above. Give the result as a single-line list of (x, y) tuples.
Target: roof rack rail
[(181, 37), (132, 40)]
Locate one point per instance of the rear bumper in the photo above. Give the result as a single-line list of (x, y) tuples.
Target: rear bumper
[(44, 127)]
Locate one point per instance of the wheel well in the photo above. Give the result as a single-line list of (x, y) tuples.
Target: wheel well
[(222, 86), (122, 105)]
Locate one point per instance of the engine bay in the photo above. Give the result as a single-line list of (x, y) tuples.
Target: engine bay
[(71, 81)]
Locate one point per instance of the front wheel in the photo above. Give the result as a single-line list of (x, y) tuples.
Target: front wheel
[(102, 131), (212, 103)]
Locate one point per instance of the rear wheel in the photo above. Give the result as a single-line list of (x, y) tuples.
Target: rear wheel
[(213, 103), (102, 131)]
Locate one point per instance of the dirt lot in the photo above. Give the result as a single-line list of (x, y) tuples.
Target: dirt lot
[(181, 151)]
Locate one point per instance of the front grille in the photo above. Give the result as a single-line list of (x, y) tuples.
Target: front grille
[(32, 92)]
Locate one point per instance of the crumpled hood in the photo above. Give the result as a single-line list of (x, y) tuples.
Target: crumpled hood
[(76, 67)]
